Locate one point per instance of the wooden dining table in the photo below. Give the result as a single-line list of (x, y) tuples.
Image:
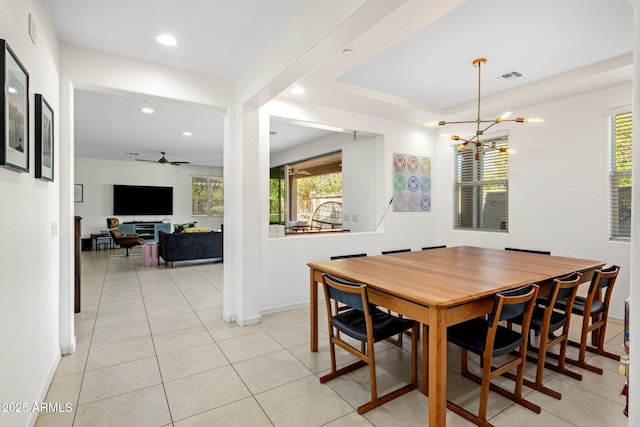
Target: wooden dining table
[(442, 287)]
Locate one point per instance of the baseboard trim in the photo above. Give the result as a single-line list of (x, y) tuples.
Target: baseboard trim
[(44, 389), (71, 348), (249, 321), (285, 307)]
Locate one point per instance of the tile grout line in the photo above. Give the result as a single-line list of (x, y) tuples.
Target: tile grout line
[(86, 362), (153, 343)]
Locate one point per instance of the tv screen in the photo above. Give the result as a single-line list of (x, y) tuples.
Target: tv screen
[(142, 200)]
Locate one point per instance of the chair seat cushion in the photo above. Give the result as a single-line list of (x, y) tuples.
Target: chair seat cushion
[(352, 323), (558, 319), (472, 336), (597, 307)]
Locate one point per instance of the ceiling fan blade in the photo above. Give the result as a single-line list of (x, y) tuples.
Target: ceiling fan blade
[(180, 163), (145, 160), (294, 171)]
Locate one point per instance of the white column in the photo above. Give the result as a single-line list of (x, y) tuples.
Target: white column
[(243, 225), (67, 280), (634, 286)]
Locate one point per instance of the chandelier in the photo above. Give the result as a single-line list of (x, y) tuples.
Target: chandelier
[(481, 125)]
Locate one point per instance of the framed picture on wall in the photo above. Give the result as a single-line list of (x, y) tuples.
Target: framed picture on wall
[(77, 193), (44, 139), (14, 110)]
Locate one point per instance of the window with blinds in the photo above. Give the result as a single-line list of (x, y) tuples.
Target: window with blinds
[(620, 175), (481, 188)]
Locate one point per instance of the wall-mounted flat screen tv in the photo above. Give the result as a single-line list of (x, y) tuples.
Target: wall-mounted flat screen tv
[(142, 200)]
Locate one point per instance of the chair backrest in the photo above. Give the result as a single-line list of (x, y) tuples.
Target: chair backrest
[(116, 235), (604, 278), (346, 292), (112, 223), (531, 251), (513, 303), (395, 251), (563, 288), (348, 256)]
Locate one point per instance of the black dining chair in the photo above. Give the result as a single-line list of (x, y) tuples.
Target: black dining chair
[(426, 248), (594, 309), (340, 307), (545, 321), (348, 256), (395, 341), (531, 251), (395, 251), (489, 339), (367, 324)]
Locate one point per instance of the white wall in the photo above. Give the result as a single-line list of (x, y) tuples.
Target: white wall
[(285, 275), (98, 177), (29, 298), (558, 185)]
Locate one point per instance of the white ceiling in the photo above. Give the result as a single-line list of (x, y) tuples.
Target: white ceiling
[(413, 65), (540, 39), (113, 127)]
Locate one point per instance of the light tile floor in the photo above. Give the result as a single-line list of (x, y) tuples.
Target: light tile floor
[(152, 350)]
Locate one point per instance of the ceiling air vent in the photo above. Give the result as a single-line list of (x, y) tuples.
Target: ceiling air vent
[(510, 76)]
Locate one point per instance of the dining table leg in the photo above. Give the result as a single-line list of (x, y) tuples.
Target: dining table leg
[(437, 367), (313, 301)]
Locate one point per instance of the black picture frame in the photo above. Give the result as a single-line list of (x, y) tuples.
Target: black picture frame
[(14, 111), (44, 138), (78, 193)]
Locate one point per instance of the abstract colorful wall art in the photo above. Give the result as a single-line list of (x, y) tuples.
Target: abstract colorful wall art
[(411, 183)]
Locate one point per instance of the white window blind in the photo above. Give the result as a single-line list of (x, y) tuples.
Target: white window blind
[(481, 188), (620, 175)]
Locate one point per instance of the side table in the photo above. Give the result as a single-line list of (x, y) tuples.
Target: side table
[(102, 240)]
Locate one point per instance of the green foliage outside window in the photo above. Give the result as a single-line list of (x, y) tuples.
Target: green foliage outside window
[(276, 195), (621, 166), (319, 186), (207, 196)]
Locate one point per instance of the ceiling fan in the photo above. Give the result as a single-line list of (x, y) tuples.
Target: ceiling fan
[(163, 161), (294, 171)]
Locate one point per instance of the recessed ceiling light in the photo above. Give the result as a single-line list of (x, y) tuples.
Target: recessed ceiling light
[(167, 40), (297, 90), (187, 133), (12, 89), (147, 110)]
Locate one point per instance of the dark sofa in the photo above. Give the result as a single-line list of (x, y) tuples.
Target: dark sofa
[(189, 246)]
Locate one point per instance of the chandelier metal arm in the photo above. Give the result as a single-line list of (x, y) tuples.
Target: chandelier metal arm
[(475, 140), (498, 120)]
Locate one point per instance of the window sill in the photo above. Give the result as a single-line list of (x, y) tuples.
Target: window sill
[(308, 232)]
